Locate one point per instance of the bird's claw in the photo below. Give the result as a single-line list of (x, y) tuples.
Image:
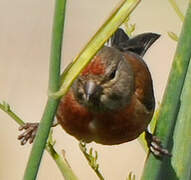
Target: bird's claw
[(29, 133), (155, 145)]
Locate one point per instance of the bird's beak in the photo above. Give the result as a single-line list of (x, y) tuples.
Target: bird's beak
[(91, 90)]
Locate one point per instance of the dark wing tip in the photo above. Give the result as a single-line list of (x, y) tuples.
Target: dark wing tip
[(140, 43), (119, 37)]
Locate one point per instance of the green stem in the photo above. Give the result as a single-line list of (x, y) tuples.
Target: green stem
[(92, 159), (6, 108), (177, 9), (182, 144), (158, 169), (40, 140), (108, 28), (62, 164), (54, 82)]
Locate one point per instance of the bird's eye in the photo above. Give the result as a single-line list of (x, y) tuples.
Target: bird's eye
[(112, 74)]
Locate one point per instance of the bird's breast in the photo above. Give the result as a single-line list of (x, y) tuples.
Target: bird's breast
[(108, 128)]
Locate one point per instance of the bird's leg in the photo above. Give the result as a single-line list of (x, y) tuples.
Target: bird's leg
[(30, 130), (155, 145)]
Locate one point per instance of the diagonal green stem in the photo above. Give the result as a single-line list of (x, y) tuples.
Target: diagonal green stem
[(177, 9), (6, 108), (160, 169), (62, 164), (54, 82), (92, 159)]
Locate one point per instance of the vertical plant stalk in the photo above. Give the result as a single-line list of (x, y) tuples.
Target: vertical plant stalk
[(182, 135), (54, 82), (158, 169), (103, 34)]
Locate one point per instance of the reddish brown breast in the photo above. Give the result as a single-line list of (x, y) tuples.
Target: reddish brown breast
[(106, 128), (73, 117)]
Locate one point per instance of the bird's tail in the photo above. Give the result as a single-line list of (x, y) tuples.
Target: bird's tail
[(138, 44)]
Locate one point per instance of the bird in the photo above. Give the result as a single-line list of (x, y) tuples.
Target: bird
[(112, 100)]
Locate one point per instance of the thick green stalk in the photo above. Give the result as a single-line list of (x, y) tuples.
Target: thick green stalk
[(54, 82), (182, 135), (158, 169), (108, 28)]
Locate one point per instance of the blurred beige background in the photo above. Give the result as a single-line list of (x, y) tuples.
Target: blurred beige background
[(25, 32)]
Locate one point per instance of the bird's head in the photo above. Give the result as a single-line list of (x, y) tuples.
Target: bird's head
[(107, 83)]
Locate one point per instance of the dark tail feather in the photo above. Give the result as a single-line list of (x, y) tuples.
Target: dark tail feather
[(119, 37), (138, 44)]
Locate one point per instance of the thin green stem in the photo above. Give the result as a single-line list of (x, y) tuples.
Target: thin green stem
[(62, 164), (108, 28), (161, 168), (54, 82), (91, 158), (6, 108), (177, 9)]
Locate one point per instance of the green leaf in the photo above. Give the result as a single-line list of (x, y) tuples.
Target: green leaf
[(158, 169), (182, 134)]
